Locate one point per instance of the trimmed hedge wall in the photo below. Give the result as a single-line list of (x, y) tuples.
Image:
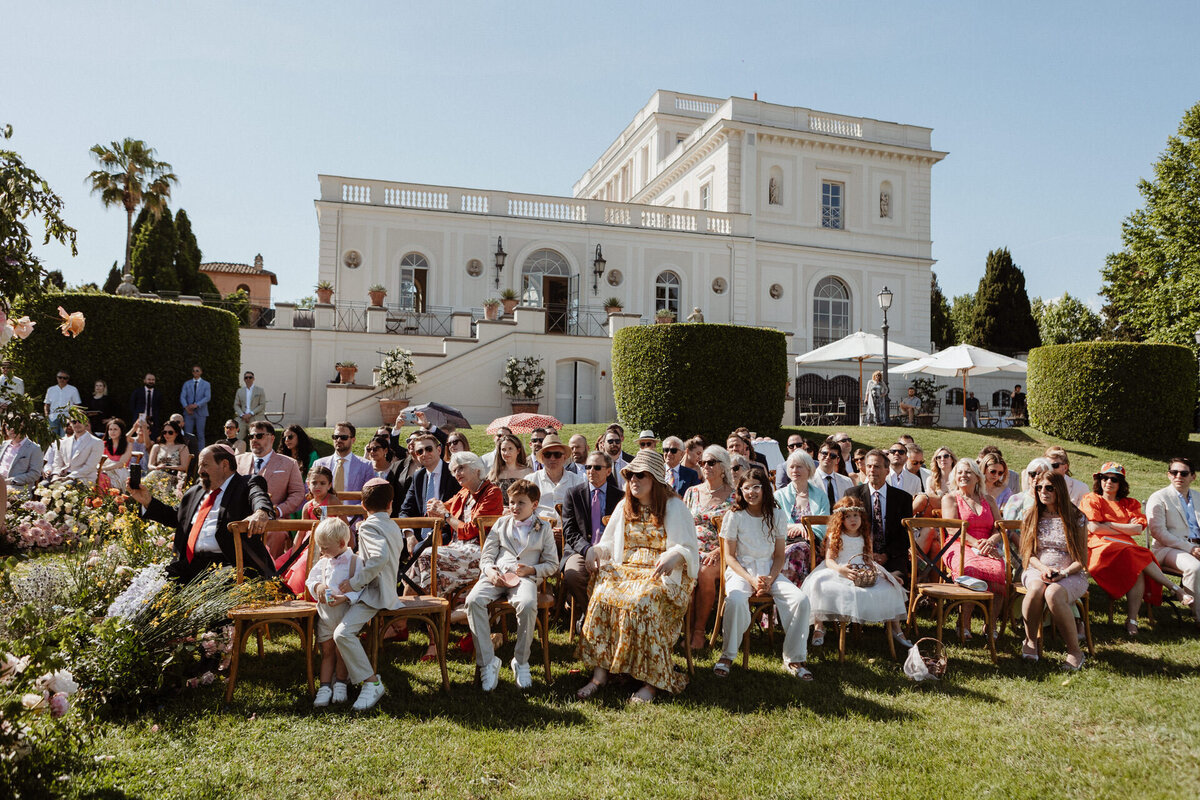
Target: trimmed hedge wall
[(1121, 395), (124, 338), (684, 379)]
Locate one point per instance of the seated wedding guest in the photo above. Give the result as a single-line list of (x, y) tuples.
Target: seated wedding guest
[(535, 447), (886, 507), (1173, 524), (1118, 564), (1024, 500), (231, 437), (900, 477), (622, 456), (647, 440), (221, 496), (140, 443), (831, 591), (611, 443), (456, 443), (831, 473), (282, 475), (1053, 553), (297, 445), (336, 564), (647, 561), (941, 477), (190, 441), (20, 460), (9, 383), (380, 544), (916, 462), (579, 453), (681, 477), (1014, 480), (858, 461), (114, 468), (458, 561), (995, 478), (350, 472), (910, 404), (1060, 462), (584, 511), (76, 456), (983, 556), (800, 498), (518, 554), (489, 457), (100, 408), (553, 481), (708, 501), (434, 482), (169, 457), (292, 565), (510, 464), (738, 444), (754, 535), (794, 442), (739, 465), (693, 451), (388, 467)]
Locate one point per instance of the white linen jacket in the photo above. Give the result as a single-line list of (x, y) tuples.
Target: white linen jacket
[(681, 537), (1168, 525), (500, 549)]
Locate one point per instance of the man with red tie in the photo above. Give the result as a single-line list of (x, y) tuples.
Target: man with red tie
[(584, 511), (202, 536)]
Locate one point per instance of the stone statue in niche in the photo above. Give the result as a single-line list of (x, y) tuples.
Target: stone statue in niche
[(885, 204), (773, 192)]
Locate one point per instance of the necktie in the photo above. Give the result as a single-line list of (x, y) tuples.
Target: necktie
[(877, 515), (597, 516), (257, 466), (430, 487), (829, 490), (148, 406), (195, 389), (198, 524), (339, 476)]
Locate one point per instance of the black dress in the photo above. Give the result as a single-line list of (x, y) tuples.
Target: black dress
[(99, 410)]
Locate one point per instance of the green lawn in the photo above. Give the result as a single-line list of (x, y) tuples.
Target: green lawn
[(1122, 727)]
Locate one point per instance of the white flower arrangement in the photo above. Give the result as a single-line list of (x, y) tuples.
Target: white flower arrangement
[(144, 588), (397, 372), (523, 378)]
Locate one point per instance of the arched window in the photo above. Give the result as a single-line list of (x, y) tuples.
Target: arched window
[(666, 292), (537, 266), (414, 274), (831, 312), (242, 287)]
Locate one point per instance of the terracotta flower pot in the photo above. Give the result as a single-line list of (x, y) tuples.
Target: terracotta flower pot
[(347, 374), (377, 298), (389, 409), (509, 305), (324, 296), (525, 406), (612, 309), (491, 312)]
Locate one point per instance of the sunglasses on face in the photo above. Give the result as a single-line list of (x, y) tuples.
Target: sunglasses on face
[(671, 450), (594, 467), (944, 457), (61, 377), (1057, 464), (1179, 473), (794, 445), (258, 435), (898, 452), (341, 437), (422, 450), (231, 427), (1045, 487), (638, 476), (536, 441), (552, 454), (737, 468), (612, 441), (1107, 478), (917, 463), (827, 454), (709, 463)]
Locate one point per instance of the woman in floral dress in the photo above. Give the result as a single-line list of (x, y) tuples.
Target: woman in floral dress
[(708, 501), (646, 565)]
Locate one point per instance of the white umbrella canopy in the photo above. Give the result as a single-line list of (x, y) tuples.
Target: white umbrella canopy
[(962, 360), (858, 347)]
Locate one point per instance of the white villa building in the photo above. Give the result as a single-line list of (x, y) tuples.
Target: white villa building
[(754, 213)]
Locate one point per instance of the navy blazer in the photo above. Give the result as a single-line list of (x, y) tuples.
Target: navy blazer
[(137, 404), (414, 501), (688, 478)]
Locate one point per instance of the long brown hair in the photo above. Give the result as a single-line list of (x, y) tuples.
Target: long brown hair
[(768, 504), (1072, 519), (833, 531), (659, 495), (498, 465)]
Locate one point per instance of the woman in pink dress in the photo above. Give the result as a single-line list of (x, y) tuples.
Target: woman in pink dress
[(985, 549)]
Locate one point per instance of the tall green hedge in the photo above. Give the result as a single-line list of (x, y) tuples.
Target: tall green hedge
[(702, 379), (124, 338), (1120, 395)]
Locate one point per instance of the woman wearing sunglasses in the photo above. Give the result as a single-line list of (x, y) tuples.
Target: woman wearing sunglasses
[(708, 501)]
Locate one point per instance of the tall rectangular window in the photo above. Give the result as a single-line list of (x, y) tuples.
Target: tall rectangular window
[(831, 204), (706, 196)]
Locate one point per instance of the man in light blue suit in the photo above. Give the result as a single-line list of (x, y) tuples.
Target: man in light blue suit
[(194, 397)]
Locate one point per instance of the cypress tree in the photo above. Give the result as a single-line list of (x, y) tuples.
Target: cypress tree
[(187, 254), (1002, 319), (141, 278), (941, 327), (153, 257), (113, 280)]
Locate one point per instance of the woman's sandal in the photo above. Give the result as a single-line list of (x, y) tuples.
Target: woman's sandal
[(639, 698), (395, 634), (721, 668), (818, 638), (430, 656), (800, 671), (588, 689), (1068, 666), (1131, 627), (1184, 595)]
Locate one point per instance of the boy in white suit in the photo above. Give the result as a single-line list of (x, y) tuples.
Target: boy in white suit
[(518, 554)]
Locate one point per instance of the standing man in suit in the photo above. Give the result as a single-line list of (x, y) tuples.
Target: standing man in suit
[(350, 472), (249, 403), (201, 522), (77, 455), (20, 460), (1174, 514), (194, 396), (148, 400), (681, 477), (282, 474), (584, 511), (886, 506)]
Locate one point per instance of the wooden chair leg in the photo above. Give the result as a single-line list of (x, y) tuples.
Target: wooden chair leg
[(309, 625), (238, 643), (546, 643), (746, 649), (991, 626), (712, 640), (688, 619), (259, 634), (437, 635), (887, 631), (841, 642)]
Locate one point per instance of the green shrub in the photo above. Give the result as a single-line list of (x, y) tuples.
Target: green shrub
[(125, 338), (699, 379), (1114, 394)]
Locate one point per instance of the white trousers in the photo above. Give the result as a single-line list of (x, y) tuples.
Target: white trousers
[(1187, 564), (523, 598), (345, 638), (795, 616)]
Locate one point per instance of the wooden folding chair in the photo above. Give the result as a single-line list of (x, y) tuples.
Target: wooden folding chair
[(299, 615), (427, 608), (1017, 590), (929, 581), (759, 604)]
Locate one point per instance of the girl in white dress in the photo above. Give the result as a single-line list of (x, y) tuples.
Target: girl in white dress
[(754, 535), (830, 589)]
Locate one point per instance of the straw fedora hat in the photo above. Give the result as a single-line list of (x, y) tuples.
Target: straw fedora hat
[(552, 442)]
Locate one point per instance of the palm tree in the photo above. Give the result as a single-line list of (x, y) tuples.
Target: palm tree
[(129, 176)]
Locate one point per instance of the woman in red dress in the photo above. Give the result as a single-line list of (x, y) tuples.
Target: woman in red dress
[(1117, 563)]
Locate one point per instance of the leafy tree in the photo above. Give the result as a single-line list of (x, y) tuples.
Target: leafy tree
[(55, 278), (23, 194), (131, 177), (941, 326), (961, 309), (1066, 320), (1001, 319), (153, 256), (1153, 284), (113, 280)]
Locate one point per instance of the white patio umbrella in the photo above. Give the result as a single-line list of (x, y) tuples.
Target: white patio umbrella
[(858, 347), (962, 360)]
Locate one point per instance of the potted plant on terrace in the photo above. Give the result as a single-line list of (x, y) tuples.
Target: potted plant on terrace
[(396, 374), (510, 299), (491, 308), (377, 293), (613, 305), (522, 383), (346, 371), (664, 316), (324, 292)]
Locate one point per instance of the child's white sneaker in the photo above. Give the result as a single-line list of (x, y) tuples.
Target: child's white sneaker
[(489, 674), (369, 695), (521, 675), (339, 692), (324, 694)]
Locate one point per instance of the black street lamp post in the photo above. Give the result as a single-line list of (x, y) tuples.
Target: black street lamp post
[(885, 302)]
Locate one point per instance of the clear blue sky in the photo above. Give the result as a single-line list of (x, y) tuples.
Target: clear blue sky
[(1051, 112)]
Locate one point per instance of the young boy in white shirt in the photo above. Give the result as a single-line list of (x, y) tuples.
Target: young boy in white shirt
[(337, 563), (518, 554)]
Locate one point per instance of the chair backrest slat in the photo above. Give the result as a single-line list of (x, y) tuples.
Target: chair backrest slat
[(241, 526)]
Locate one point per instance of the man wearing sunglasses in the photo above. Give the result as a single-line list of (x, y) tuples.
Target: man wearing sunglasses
[(1174, 514), (682, 478), (350, 472), (826, 475), (282, 474), (611, 446), (794, 442), (584, 510), (249, 403), (898, 475), (433, 480), (59, 399), (553, 479)]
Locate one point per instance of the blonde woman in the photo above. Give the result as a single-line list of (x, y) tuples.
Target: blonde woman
[(708, 501), (875, 394), (941, 478)]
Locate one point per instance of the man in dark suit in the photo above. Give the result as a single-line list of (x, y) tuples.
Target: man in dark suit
[(433, 481), (583, 514), (681, 477), (886, 506), (148, 400), (202, 536)]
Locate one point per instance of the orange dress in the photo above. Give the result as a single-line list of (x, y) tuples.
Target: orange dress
[(1115, 560)]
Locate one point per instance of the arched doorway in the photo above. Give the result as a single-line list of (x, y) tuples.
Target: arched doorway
[(547, 282)]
